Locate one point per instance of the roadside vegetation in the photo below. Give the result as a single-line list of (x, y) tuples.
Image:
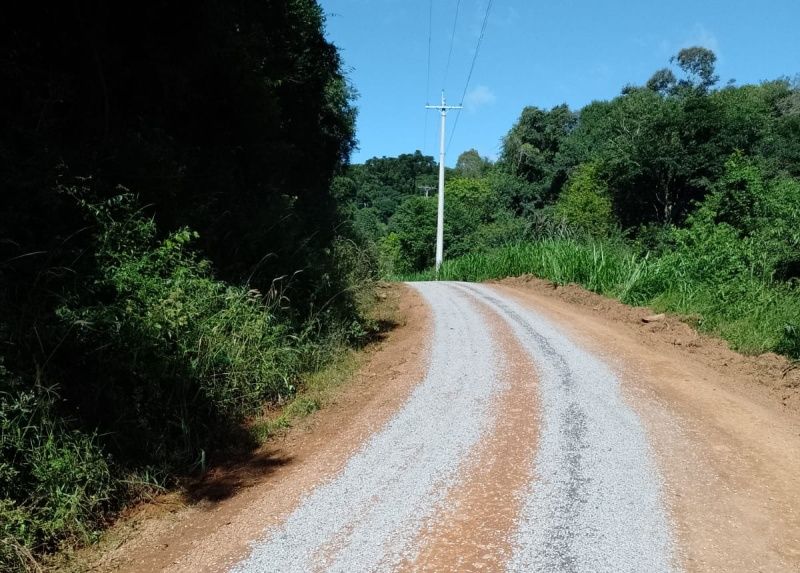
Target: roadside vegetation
[(184, 247), (170, 266), (678, 194)]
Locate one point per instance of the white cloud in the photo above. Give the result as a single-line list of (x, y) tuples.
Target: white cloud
[(697, 35), (478, 97), (701, 36)]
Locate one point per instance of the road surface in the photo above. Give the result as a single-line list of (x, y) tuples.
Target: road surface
[(516, 434), (592, 503)]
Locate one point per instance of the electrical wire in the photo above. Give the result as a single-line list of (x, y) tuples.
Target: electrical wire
[(428, 77), (471, 68), (452, 42)]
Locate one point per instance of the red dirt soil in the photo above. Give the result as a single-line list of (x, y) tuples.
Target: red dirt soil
[(214, 534), (724, 428)]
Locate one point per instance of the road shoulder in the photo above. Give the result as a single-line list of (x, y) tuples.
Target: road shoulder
[(170, 535), (724, 432)]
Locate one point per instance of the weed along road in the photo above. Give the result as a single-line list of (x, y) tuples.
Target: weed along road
[(508, 430)]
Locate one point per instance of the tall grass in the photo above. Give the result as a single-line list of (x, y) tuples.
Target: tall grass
[(160, 364), (754, 315)]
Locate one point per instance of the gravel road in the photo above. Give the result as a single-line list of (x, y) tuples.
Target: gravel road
[(593, 502)]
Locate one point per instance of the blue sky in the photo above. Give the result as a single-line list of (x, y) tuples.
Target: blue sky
[(540, 53)]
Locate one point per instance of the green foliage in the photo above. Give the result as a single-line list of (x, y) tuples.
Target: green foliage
[(55, 481), (585, 203), (512, 193), (391, 255), (748, 226), (734, 263), (470, 164), (198, 108), (532, 146), (677, 194), (231, 120), (473, 221), (183, 355), (753, 315), (663, 81), (789, 343), (382, 183), (414, 231), (698, 63), (163, 362)]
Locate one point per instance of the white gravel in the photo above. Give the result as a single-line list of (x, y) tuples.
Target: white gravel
[(595, 502), (366, 517)]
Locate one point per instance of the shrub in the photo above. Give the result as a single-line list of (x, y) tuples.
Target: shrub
[(55, 481), (158, 365), (171, 358), (585, 203)]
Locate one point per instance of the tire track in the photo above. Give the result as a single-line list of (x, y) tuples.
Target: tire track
[(474, 530), (365, 518), (457, 480), (596, 502)]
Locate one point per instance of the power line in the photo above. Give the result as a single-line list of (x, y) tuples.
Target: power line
[(472, 67), (452, 41), (477, 48), (428, 78)]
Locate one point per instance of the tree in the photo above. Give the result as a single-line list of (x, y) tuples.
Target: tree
[(138, 141), (531, 148), (385, 182), (699, 64), (414, 226), (474, 194), (663, 81), (585, 203), (211, 112), (468, 207), (636, 142), (471, 164)]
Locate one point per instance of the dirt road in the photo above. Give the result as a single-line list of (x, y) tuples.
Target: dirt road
[(510, 431)]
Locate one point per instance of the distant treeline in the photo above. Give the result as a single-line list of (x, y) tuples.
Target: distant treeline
[(699, 180)]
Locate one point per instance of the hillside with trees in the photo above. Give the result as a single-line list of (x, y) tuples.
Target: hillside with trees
[(169, 263), (681, 193)]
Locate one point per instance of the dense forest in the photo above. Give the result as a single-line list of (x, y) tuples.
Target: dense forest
[(168, 261), (680, 193)]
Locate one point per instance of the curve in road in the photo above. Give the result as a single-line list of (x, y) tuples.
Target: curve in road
[(592, 502)]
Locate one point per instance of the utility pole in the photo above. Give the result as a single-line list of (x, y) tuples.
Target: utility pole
[(426, 188), (444, 108)]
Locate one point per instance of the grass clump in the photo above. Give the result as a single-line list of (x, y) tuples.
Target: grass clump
[(734, 265), (55, 481), (752, 314), (158, 368), (317, 387)]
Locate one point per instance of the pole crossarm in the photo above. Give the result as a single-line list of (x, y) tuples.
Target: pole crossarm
[(444, 107)]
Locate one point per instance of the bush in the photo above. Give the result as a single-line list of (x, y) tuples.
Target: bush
[(754, 315), (748, 226), (158, 365), (474, 222), (171, 359), (55, 481), (585, 204)]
